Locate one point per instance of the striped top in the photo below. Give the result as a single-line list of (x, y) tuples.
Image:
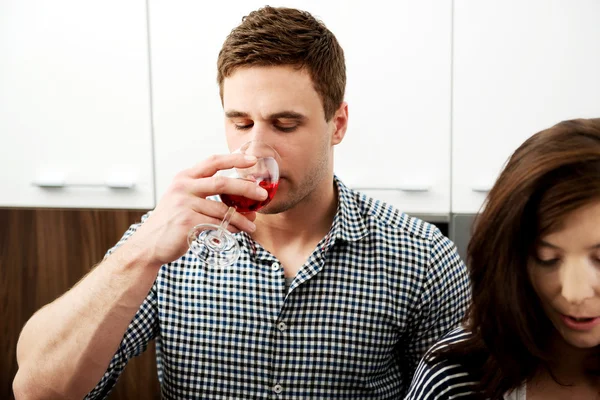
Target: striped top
[(439, 379)]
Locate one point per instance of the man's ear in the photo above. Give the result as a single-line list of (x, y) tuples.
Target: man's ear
[(340, 123)]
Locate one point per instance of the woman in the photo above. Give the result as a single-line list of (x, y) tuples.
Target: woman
[(533, 329)]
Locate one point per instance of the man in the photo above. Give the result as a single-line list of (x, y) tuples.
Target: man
[(370, 289)]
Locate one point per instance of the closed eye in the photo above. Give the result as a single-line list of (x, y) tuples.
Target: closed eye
[(287, 121), (243, 127), (286, 128), (547, 262)]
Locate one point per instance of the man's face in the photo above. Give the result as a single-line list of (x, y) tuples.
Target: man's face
[(279, 106)]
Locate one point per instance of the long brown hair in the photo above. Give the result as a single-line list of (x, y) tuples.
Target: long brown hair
[(551, 174), (285, 36)]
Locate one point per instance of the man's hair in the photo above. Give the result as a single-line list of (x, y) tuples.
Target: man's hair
[(287, 37)]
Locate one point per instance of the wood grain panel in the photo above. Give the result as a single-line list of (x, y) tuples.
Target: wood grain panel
[(43, 252)]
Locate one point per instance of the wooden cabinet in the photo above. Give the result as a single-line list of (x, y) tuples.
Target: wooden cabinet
[(42, 254)]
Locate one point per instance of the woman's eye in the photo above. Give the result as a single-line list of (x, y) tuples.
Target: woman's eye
[(547, 262)]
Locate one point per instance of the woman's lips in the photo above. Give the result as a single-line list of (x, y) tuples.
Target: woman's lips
[(580, 323)]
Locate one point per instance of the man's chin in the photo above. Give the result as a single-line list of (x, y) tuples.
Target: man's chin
[(269, 210), (274, 208)]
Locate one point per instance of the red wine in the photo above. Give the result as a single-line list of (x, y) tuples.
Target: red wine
[(243, 204)]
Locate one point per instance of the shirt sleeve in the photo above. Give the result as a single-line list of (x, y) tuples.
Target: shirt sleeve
[(141, 330), (443, 302), (438, 379)]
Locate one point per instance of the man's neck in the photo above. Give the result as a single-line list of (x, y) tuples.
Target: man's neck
[(291, 236)]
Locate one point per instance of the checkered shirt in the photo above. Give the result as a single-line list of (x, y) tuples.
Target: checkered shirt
[(379, 289)]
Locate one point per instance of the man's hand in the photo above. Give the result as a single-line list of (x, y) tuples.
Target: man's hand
[(164, 234)]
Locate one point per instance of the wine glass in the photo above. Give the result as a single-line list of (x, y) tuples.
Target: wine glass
[(214, 244)]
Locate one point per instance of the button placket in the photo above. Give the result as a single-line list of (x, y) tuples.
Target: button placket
[(278, 388)]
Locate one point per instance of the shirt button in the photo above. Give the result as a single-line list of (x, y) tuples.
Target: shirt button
[(277, 388), (282, 326), (275, 266)]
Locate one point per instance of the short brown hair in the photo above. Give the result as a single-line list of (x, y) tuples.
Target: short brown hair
[(285, 36), (551, 174)]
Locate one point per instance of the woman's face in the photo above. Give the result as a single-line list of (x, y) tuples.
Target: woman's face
[(565, 274)]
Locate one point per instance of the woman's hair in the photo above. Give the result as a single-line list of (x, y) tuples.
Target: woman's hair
[(553, 173)]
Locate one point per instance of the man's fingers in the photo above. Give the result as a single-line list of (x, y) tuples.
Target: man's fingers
[(218, 162), (215, 212), (251, 215), (218, 184)]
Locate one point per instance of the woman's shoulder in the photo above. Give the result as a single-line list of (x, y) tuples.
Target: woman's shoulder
[(454, 336), (438, 377)]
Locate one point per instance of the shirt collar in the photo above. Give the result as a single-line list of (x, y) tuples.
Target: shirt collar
[(348, 224)]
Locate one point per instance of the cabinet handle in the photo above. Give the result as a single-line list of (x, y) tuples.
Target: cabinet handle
[(403, 188), (414, 188), (483, 188), (120, 184), (58, 184), (49, 183)]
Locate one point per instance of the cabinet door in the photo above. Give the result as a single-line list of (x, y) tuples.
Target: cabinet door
[(519, 67), (75, 119), (398, 61), (399, 67)]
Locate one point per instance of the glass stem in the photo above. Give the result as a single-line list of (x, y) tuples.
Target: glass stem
[(225, 222)]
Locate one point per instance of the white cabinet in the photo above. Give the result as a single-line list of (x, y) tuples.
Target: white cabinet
[(398, 57), (429, 97), (75, 104), (519, 67), (399, 68)]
